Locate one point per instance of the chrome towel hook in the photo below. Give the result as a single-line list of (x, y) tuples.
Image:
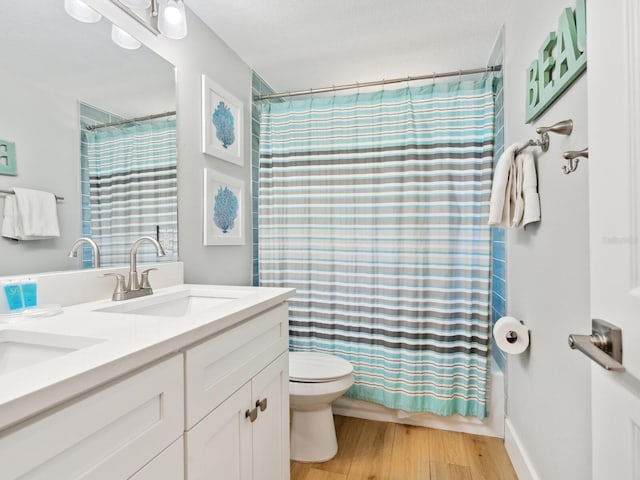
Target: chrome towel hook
[(573, 158)]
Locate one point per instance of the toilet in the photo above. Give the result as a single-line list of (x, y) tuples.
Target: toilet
[(315, 381)]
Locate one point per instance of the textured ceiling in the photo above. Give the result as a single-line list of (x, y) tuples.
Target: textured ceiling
[(299, 44)]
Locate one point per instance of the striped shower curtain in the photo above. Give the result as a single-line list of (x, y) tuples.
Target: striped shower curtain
[(129, 188), (374, 207)]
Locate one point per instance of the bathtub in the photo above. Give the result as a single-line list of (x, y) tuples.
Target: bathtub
[(492, 426)]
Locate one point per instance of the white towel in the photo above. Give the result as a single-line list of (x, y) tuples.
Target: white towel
[(502, 201), (530, 191), (9, 217), (514, 196), (35, 215)]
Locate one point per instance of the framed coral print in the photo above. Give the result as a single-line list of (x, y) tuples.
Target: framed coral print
[(223, 209), (221, 123)]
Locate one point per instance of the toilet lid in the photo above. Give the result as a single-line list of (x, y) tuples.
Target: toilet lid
[(313, 367)]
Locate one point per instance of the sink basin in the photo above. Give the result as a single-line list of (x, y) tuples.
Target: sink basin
[(176, 304), (19, 348)]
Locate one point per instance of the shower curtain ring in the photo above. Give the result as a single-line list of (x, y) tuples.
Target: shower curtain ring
[(433, 79), (459, 76)]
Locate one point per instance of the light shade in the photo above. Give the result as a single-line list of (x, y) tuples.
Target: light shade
[(81, 11), (137, 4), (172, 19), (123, 39)]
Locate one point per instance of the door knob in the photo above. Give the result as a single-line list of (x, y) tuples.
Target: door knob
[(251, 414), (262, 404), (603, 346)]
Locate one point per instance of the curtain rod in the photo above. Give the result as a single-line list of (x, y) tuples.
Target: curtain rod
[(350, 86), (132, 120)]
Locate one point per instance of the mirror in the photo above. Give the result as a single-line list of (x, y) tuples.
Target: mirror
[(56, 73)]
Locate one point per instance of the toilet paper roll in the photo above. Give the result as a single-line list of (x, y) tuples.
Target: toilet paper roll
[(511, 335)]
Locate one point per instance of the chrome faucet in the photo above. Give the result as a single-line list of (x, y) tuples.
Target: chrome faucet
[(95, 261), (134, 287), (133, 284)]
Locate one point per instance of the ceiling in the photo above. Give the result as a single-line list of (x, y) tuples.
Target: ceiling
[(300, 44)]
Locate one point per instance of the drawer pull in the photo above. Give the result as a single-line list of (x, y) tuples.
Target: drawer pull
[(251, 414), (262, 404)]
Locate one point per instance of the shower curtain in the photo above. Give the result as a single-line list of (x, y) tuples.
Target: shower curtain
[(374, 207), (129, 188)]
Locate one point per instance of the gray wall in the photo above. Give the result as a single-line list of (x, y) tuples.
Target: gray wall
[(44, 127), (548, 403), (201, 52)]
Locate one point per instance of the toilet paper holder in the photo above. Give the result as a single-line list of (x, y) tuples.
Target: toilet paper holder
[(603, 346), (511, 336)]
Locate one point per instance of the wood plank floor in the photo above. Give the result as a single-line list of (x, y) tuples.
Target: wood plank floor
[(369, 450)]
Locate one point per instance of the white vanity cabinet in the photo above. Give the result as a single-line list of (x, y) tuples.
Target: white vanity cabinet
[(169, 465), (238, 409), (110, 434), (216, 408)]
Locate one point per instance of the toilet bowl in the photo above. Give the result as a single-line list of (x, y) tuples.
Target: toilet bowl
[(315, 381)]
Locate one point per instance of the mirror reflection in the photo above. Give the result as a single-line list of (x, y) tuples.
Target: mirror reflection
[(93, 123)]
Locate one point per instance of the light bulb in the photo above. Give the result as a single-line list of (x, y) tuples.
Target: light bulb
[(172, 19), (172, 13), (123, 39), (81, 11)]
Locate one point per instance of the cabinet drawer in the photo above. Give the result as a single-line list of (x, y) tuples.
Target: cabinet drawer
[(169, 465), (218, 367), (107, 435)]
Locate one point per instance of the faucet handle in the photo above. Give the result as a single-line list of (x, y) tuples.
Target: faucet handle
[(144, 278), (119, 290)]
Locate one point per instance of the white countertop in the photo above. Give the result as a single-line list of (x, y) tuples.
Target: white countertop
[(130, 342)]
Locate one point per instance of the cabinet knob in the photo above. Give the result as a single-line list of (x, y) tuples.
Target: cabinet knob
[(251, 414), (262, 404)]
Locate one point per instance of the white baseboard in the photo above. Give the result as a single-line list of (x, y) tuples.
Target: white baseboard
[(492, 426), (520, 460)]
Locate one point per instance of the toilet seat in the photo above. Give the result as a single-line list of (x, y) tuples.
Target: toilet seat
[(312, 367)]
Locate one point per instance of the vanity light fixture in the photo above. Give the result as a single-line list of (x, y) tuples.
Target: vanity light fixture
[(164, 17), (172, 19), (123, 39), (81, 11)]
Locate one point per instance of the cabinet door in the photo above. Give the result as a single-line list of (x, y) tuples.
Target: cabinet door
[(219, 366), (271, 429), (107, 435), (169, 465), (219, 447)]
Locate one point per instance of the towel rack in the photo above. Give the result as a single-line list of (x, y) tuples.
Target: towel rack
[(564, 127), (4, 193)]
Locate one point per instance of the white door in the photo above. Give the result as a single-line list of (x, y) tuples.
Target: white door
[(219, 446), (271, 428), (613, 69)]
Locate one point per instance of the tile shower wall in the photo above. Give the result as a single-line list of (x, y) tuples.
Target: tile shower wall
[(498, 255), (258, 87)]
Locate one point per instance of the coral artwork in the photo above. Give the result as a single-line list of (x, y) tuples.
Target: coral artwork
[(222, 119), (225, 210)]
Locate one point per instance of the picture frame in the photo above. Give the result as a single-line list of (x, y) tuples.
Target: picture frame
[(223, 222), (222, 123), (8, 165)]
